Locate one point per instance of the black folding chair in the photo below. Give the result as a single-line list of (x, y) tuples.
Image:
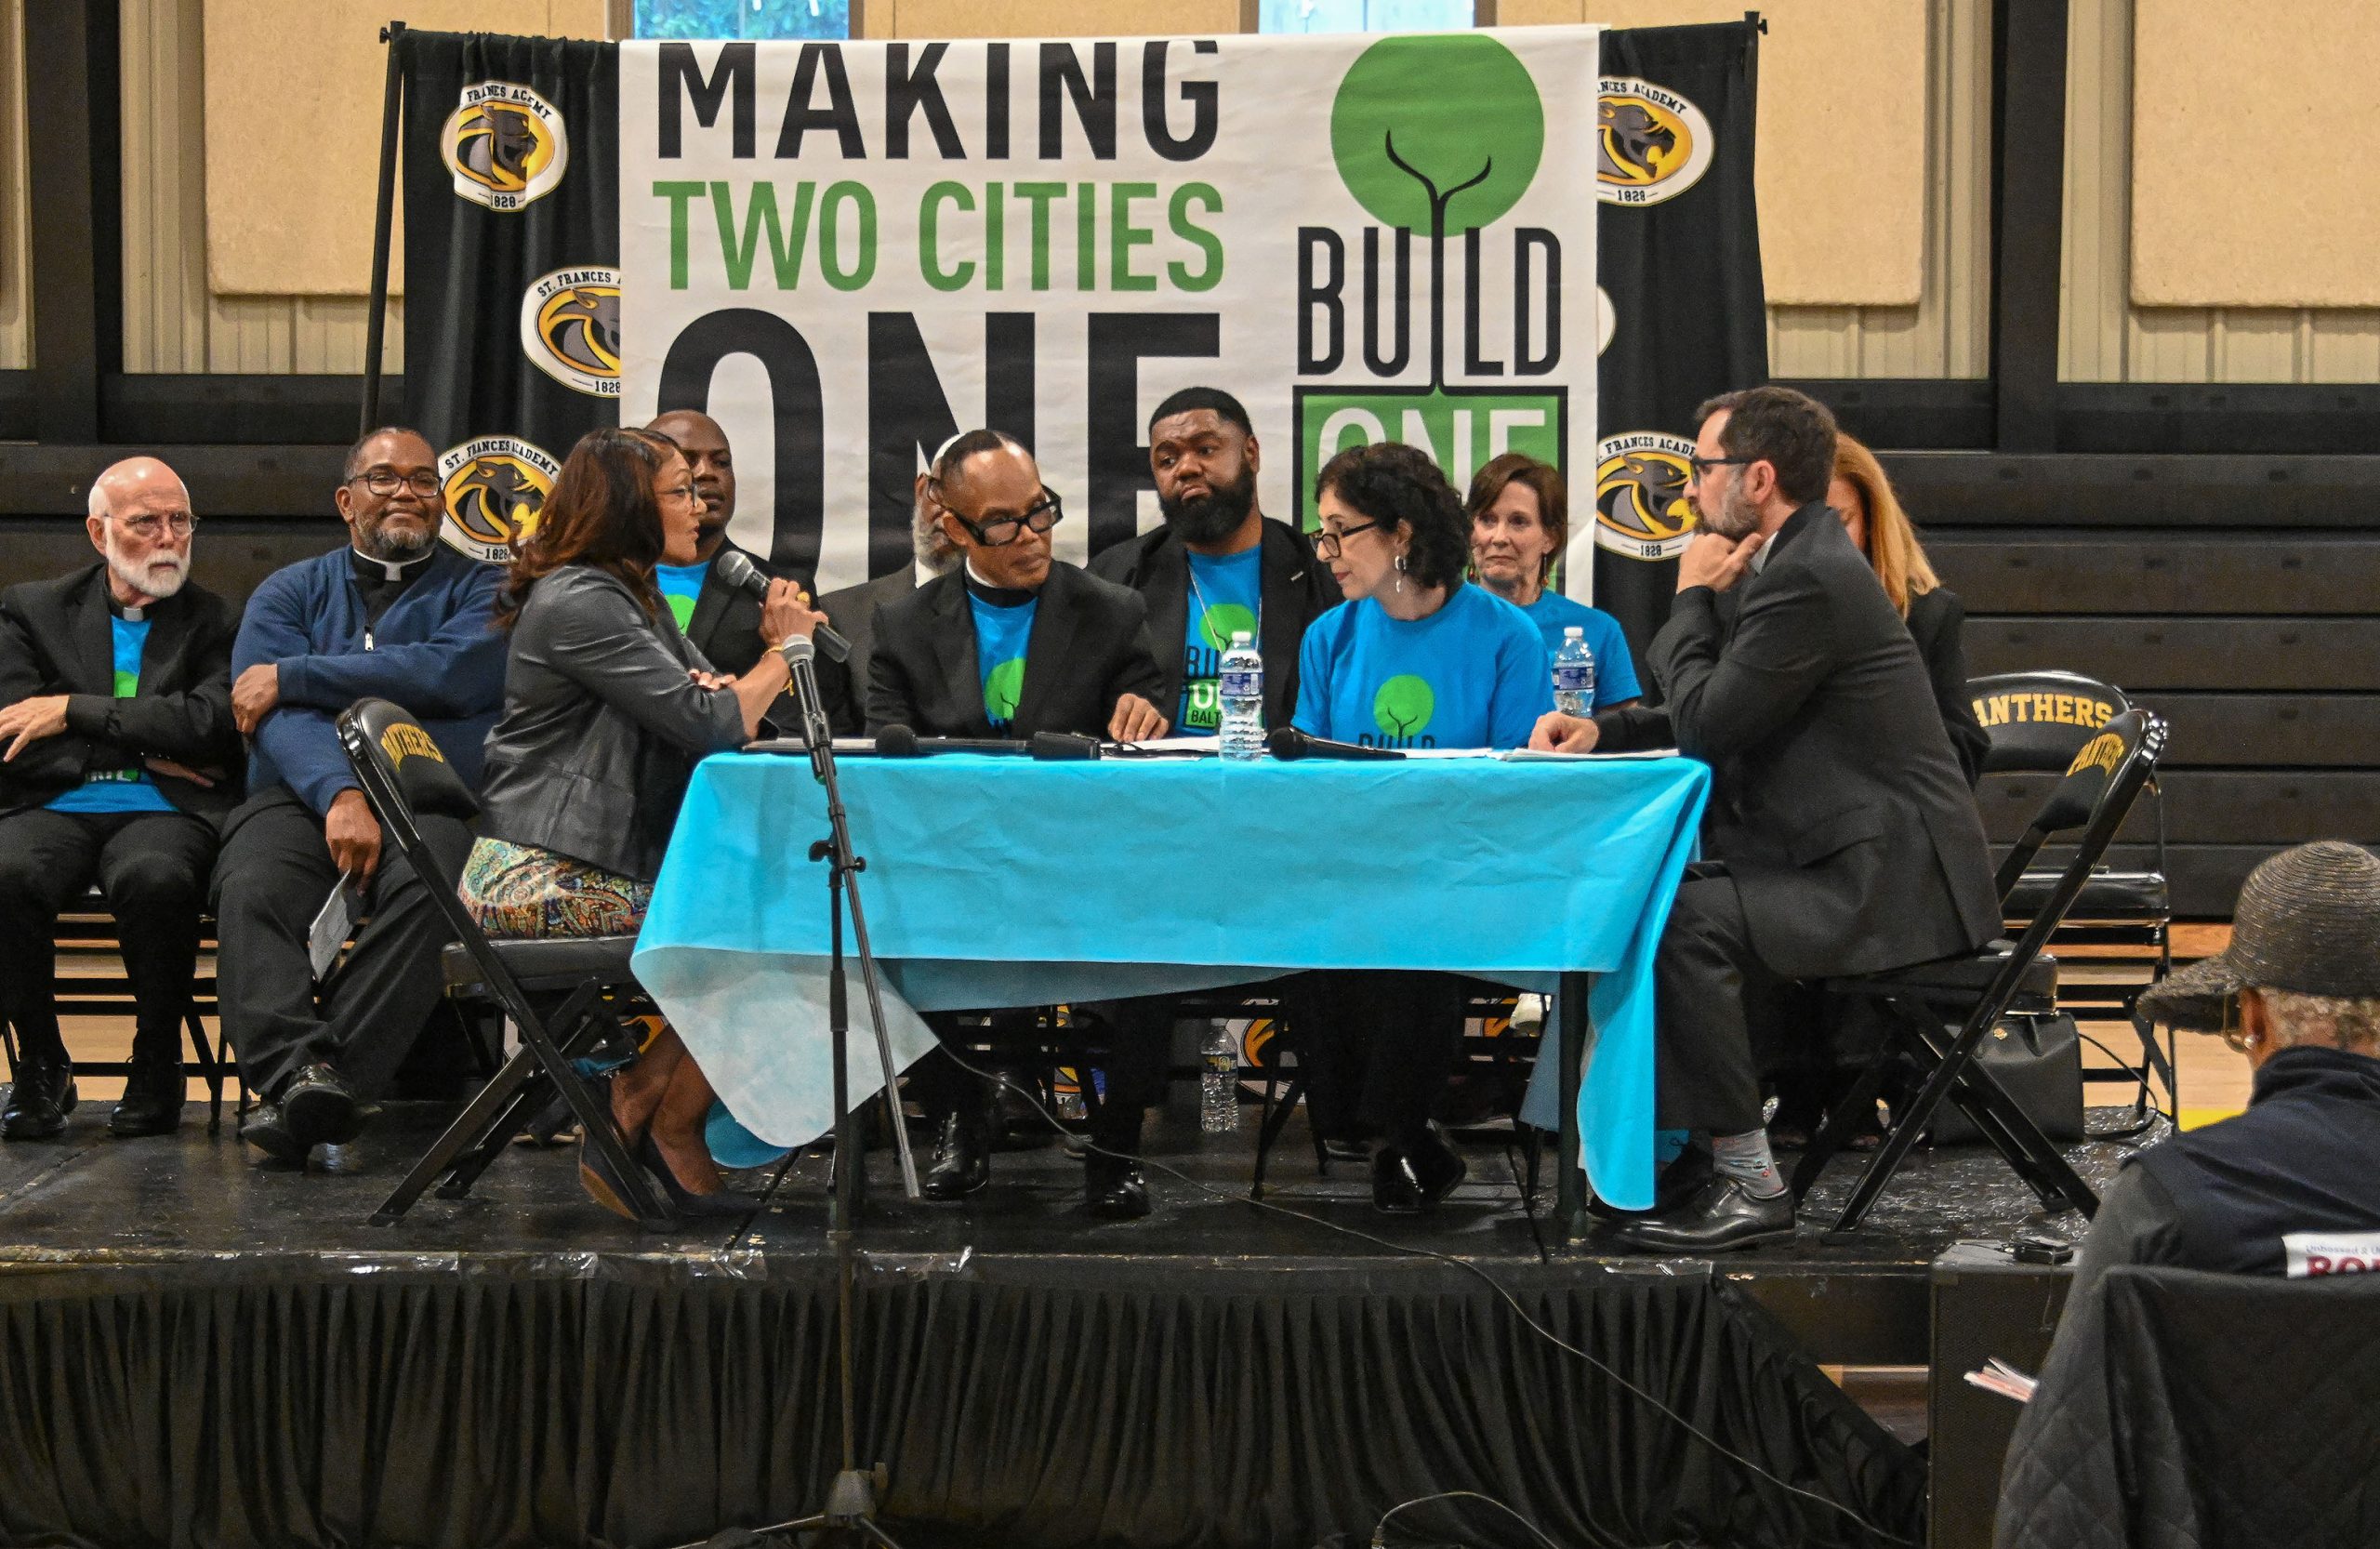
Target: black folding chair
[(1940, 1012), (402, 773), (2037, 722)]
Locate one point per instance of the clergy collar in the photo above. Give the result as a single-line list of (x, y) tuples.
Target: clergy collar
[(129, 615), (997, 597), (369, 569)]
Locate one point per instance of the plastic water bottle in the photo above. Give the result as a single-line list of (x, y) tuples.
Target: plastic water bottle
[(1240, 688), (1219, 1080), (1574, 674)]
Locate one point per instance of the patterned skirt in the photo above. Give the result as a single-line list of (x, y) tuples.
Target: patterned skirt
[(518, 891)]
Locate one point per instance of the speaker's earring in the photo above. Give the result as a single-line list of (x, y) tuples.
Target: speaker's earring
[(1400, 573)]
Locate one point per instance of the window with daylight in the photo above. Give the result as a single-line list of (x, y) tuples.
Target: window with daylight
[(744, 19), (1364, 16)]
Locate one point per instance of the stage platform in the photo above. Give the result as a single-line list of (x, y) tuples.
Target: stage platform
[(175, 1256)]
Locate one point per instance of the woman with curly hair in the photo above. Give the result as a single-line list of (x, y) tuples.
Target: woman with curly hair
[(1415, 658)]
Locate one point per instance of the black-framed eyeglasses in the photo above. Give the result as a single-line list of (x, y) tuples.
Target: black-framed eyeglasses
[(385, 482), (148, 525), (1704, 465), (1000, 531), (1326, 542)]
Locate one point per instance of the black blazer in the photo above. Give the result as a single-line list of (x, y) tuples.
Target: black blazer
[(1089, 646), (1938, 622), (54, 639), (725, 627), (852, 613), (601, 725), (1297, 588), (1837, 804)]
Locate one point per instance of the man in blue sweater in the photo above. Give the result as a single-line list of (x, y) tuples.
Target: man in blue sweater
[(396, 615)]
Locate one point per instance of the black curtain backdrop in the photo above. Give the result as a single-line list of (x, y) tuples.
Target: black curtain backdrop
[(637, 1405), (480, 235), (1689, 315)]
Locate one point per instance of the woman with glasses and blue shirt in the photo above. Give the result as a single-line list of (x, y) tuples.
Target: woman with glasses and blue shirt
[(1416, 657)]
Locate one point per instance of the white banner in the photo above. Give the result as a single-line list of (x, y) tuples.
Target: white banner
[(847, 252)]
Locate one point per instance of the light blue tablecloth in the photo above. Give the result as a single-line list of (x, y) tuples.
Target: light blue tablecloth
[(1001, 882)]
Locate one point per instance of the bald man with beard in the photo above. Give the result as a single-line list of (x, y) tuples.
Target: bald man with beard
[(117, 753)]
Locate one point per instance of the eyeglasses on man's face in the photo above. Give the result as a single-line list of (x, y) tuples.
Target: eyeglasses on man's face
[(385, 482), (1326, 542), (1704, 465), (149, 526), (997, 529)]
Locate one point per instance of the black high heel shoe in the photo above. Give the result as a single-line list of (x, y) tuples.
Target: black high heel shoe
[(725, 1203)]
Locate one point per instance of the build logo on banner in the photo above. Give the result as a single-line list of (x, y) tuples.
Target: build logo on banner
[(845, 253)]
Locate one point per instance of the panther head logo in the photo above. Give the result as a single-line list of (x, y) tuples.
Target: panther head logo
[(1638, 146), (496, 499), (1641, 495), (581, 326), (495, 144)]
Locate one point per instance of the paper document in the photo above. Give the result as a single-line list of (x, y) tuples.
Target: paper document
[(1531, 755), (1998, 1376), (332, 925)]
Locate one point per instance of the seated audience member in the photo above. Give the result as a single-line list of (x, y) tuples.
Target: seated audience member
[(117, 755), (2289, 1187), (396, 615), (1011, 643), (852, 611), (1863, 498), (1415, 658), (1842, 837), (1216, 566), (719, 619), (1520, 522), (608, 707)]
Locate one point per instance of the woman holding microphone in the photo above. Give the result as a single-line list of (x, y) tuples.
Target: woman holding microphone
[(1415, 658)]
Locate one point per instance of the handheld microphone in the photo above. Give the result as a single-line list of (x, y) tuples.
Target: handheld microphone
[(1289, 745), (742, 574), (897, 741)]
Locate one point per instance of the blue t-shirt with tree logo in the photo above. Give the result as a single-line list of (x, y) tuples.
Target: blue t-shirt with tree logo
[(1001, 634), (118, 791), (1224, 599), (680, 584), (1615, 672), (1470, 675)]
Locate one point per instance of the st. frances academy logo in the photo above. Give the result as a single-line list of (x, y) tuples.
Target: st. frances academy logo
[(505, 144), (1641, 482), (496, 486), (569, 328), (1655, 144)]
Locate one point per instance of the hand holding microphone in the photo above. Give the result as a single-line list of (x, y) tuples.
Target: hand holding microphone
[(784, 607)]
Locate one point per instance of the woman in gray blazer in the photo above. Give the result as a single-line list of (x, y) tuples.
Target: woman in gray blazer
[(608, 707)]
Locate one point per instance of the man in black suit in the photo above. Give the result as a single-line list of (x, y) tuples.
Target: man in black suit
[(119, 748), (1841, 834), (852, 611), (1011, 643)]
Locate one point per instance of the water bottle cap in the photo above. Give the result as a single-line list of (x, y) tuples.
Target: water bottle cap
[(1574, 632), (1241, 637)]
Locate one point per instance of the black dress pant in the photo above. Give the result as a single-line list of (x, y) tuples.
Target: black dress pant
[(269, 882), (1378, 1045), (152, 870), (1140, 1040), (1713, 992)]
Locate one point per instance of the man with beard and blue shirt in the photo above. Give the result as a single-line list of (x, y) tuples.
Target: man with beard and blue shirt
[(1217, 565), (394, 615)]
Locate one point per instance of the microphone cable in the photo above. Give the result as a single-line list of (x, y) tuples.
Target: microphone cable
[(1033, 1100)]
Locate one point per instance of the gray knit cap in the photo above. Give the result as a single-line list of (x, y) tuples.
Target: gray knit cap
[(2308, 920)]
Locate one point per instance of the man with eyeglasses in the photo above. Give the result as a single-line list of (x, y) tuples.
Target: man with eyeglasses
[(118, 761), (1010, 644), (1842, 838), (394, 615)]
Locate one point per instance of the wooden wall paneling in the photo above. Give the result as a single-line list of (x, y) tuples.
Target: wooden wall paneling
[(16, 206), (2214, 807), (2093, 573), (2269, 654), (2294, 731)]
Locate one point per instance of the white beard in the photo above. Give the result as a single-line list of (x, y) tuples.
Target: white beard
[(160, 576)]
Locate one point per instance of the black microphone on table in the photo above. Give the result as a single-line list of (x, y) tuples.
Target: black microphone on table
[(1289, 745), (737, 570), (897, 741)]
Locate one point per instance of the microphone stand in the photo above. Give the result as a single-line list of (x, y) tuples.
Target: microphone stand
[(851, 1498)]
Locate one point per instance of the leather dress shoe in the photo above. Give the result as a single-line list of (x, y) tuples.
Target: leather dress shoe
[(1409, 1180), (268, 1131), (1722, 1215), (1114, 1189), (153, 1099), (44, 1094), (962, 1158), (320, 1108)]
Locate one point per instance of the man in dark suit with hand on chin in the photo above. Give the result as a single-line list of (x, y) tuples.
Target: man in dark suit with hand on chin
[(1010, 644), (1842, 834)]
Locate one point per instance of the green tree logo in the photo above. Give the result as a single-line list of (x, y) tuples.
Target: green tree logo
[(1403, 705), (1437, 134), (1223, 620), (1003, 688)]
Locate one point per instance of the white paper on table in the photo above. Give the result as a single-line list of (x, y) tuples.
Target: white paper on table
[(333, 924), (1532, 755)]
